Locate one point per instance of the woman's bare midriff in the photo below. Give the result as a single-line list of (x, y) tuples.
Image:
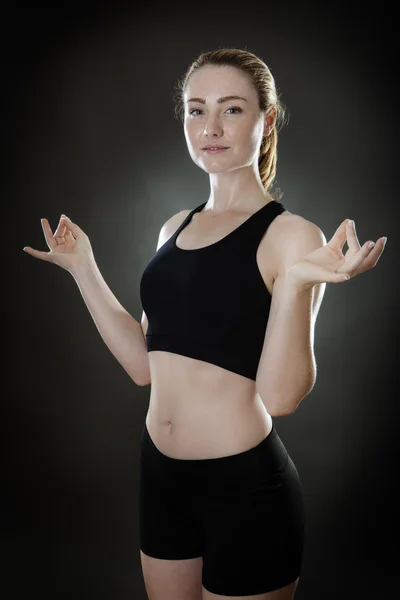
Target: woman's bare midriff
[(199, 410), (205, 412)]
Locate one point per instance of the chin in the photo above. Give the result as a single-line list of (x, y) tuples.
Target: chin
[(217, 168), (215, 171)]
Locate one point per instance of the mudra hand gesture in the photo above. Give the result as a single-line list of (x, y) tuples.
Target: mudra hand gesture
[(329, 264), (69, 245)]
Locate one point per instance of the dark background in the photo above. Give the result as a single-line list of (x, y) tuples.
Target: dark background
[(89, 130)]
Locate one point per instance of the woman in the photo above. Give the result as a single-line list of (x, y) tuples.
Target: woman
[(230, 302)]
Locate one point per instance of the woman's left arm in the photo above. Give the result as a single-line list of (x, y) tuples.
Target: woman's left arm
[(287, 368)]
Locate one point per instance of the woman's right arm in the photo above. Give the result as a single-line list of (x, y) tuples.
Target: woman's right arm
[(123, 335), (70, 249), (119, 330)]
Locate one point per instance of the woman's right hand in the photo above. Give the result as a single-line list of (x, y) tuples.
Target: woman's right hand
[(69, 246)]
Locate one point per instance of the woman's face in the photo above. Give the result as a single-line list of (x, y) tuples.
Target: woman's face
[(211, 117)]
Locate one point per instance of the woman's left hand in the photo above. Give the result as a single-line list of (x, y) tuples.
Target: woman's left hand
[(329, 264)]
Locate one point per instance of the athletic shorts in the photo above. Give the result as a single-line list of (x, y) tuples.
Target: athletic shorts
[(244, 514)]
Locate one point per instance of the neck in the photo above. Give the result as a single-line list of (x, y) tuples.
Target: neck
[(240, 190)]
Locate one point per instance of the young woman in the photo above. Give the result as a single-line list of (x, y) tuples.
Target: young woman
[(230, 300)]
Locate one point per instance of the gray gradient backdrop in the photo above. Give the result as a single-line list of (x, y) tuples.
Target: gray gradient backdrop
[(90, 131)]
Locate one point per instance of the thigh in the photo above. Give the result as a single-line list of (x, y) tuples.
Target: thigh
[(254, 539), (172, 579), (285, 593)]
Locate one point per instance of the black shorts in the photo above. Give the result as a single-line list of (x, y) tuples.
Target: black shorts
[(243, 513)]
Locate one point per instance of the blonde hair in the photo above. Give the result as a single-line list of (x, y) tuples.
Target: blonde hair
[(268, 97)]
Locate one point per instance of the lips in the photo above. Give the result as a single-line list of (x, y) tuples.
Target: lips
[(215, 147)]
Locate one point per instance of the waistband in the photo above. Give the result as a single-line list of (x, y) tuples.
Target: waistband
[(267, 457)]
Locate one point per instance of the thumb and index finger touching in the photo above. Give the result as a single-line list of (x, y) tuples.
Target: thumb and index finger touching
[(72, 227), (67, 229), (345, 232), (65, 223)]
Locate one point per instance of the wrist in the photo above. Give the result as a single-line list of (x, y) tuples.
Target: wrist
[(293, 281), (83, 269)]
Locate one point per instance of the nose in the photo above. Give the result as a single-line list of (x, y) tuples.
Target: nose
[(213, 128)]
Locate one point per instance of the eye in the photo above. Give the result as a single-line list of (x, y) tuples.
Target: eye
[(230, 108)]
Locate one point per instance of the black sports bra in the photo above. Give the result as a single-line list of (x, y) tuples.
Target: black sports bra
[(211, 303)]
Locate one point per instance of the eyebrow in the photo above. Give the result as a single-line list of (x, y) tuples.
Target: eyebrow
[(220, 100)]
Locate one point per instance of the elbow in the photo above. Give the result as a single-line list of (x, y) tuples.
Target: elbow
[(279, 405), (138, 379), (282, 410), (140, 374), (142, 379), (292, 406)]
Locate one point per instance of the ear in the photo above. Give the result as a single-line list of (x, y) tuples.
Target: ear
[(270, 119)]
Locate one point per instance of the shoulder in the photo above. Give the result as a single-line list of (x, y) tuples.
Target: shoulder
[(171, 225), (175, 221), (292, 237)]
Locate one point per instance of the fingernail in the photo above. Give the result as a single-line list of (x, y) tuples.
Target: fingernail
[(371, 245), (350, 223), (384, 240)]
